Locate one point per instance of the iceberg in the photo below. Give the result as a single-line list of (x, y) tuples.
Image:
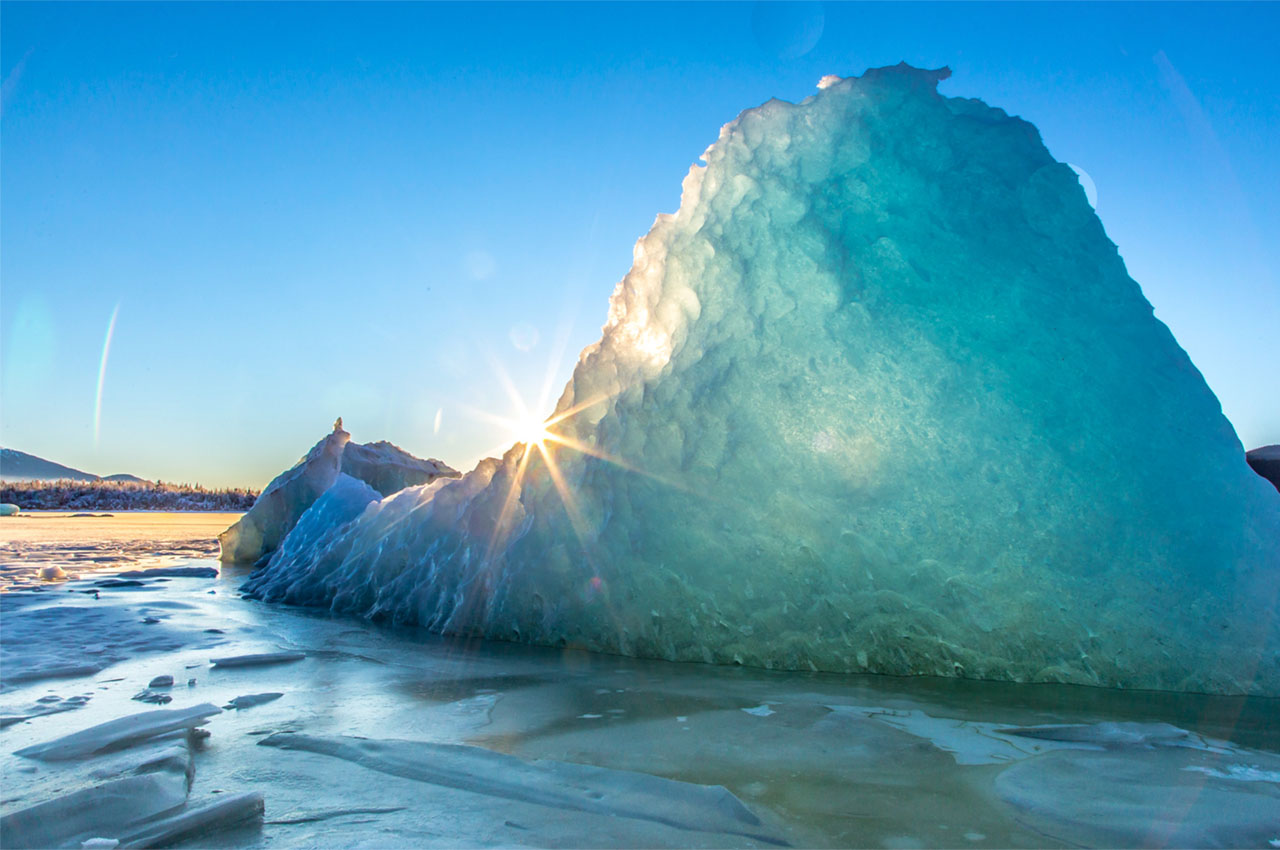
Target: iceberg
[(879, 397), (382, 466)]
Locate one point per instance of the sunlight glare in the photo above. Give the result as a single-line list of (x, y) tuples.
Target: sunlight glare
[(530, 430)]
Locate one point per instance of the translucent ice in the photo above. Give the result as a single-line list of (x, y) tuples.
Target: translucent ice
[(345, 499), (384, 467), (286, 498), (879, 396)]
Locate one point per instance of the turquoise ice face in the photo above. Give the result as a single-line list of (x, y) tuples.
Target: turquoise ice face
[(880, 396)]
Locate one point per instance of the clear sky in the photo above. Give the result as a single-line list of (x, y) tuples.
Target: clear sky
[(295, 212)]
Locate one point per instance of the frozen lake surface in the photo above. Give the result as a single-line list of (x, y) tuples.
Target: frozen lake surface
[(75, 542), (365, 735)]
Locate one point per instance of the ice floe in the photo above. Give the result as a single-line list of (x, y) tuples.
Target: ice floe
[(121, 732), (171, 572), (250, 700), (258, 659)]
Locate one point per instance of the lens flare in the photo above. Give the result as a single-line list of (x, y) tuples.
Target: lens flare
[(102, 375)]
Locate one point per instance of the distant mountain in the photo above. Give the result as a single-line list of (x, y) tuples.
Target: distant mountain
[(20, 466)]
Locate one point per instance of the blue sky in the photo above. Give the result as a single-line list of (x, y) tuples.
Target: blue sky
[(302, 211)]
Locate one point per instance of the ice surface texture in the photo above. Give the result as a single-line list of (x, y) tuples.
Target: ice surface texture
[(119, 733), (563, 785), (884, 399), (383, 467)]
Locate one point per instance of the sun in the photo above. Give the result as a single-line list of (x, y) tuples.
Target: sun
[(530, 430), (541, 443)]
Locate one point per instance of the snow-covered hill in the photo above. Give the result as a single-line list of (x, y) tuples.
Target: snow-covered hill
[(20, 466)]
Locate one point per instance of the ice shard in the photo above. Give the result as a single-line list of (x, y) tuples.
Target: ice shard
[(880, 396)]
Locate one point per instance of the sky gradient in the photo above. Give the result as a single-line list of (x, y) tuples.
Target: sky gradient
[(279, 214)]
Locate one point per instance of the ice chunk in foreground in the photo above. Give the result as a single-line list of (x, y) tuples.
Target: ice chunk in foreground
[(89, 812), (1165, 799), (120, 733), (880, 396), (259, 659), (563, 785), (128, 788), (384, 467), (221, 813), (250, 700)]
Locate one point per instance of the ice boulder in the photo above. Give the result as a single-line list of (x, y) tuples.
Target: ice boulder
[(880, 396), (384, 467)]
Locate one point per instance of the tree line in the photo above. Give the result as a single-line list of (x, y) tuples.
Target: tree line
[(70, 495)]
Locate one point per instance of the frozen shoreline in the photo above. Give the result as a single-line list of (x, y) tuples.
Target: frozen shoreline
[(61, 544), (817, 759)]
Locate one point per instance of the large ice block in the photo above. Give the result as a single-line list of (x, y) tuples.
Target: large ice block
[(382, 466), (284, 500), (880, 396)]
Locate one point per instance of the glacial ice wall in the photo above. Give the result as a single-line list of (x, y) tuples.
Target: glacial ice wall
[(880, 396)]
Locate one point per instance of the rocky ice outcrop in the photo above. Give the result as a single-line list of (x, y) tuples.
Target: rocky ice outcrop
[(384, 467), (880, 396)]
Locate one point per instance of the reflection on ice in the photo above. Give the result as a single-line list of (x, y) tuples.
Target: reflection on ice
[(524, 746)]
